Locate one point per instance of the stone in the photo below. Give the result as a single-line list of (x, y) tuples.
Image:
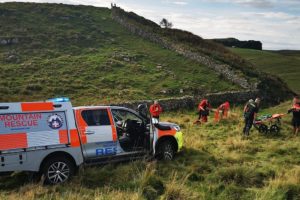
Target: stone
[(126, 59), (12, 58), (3, 42)]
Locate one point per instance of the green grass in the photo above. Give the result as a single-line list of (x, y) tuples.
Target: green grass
[(216, 163), (284, 64), (80, 52)]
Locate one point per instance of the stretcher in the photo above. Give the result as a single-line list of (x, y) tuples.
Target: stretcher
[(269, 123)]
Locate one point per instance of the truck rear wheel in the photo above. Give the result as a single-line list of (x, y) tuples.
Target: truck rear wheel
[(166, 150), (58, 170)]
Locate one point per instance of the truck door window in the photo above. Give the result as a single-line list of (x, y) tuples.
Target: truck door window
[(123, 115), (96, 117)]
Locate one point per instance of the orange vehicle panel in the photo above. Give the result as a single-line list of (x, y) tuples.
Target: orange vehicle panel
[(37, 106), (113, 128), (81, 126), (171, 132), (63, 137), (75, 142), (13, 141)]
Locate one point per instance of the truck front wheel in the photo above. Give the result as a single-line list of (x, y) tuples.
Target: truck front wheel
[(166, 150), (58, 170)]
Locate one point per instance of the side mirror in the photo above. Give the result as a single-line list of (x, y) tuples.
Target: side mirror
[(154, 121)]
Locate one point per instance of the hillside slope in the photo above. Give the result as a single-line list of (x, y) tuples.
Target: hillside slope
[(215, 56), (100, 55), (50, 50), (285, 64)]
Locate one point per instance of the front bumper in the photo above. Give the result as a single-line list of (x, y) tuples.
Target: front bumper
[(179, 138)]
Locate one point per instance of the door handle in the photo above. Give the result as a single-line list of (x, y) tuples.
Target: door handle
[(89, 132)]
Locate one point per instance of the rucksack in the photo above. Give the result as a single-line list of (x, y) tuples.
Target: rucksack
[(250, 109)]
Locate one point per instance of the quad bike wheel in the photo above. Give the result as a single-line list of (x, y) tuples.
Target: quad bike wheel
[(263, 129), (274, 129)]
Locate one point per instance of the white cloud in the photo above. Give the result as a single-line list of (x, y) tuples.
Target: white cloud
[(180, 3), (252, 3), (276, 29), (256, 3)]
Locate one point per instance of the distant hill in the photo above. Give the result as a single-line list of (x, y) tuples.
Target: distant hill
[(233, 42), (93, 55), (284, 63)]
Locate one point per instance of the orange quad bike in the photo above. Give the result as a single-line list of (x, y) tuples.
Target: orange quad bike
[(268, 123)]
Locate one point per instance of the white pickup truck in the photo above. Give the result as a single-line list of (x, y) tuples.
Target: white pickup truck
[(54, 138)]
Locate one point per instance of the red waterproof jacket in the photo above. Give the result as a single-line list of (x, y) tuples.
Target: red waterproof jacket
[(203, 105), (155, 110), (224, 106)]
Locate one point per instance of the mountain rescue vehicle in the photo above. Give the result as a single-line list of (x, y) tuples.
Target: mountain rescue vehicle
[(54, 139)]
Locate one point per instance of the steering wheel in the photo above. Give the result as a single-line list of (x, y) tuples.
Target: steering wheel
[(124, 125)]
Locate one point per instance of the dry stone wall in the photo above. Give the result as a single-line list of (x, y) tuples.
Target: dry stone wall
[(222, 69), (190, 102), (251, 89), (8, 41)]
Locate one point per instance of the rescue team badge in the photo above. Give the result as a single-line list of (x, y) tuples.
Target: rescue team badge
[(55, 121)]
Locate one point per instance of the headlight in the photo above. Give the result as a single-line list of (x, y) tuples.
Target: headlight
[(177, 128)]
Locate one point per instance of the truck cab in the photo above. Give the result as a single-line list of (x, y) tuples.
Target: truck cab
[(112, 132), (53, 138)]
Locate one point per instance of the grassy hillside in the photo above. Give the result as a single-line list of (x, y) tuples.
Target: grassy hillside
[(80, 52), (284, 64), (217, 163)]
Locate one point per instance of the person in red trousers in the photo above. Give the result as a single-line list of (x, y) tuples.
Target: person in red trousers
[(224, 108)]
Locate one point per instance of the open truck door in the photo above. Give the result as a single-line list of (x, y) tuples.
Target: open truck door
[(145, 113), (98, 133)]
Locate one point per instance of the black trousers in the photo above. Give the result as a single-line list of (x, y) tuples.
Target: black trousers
[(156, 117), (248, 125)]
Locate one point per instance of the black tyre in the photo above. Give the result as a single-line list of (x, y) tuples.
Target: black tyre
[(166, 150), (274, 129), (263, 129), (58, 170)]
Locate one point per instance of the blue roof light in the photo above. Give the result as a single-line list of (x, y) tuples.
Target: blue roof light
[(59, 99)]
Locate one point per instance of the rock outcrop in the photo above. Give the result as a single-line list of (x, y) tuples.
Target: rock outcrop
[(232, 42)]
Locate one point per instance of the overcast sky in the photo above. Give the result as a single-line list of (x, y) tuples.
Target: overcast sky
[(274, 22)]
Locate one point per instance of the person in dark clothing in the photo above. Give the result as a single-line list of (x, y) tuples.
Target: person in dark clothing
[(296, 114), (250, 111)]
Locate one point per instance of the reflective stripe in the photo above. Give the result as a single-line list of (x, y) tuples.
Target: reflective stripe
[(113, 127), (13, 141), (37, 106)]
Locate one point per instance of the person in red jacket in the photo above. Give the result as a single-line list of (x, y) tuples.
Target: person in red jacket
[(155, 110), (224, 108), (203, 109)]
